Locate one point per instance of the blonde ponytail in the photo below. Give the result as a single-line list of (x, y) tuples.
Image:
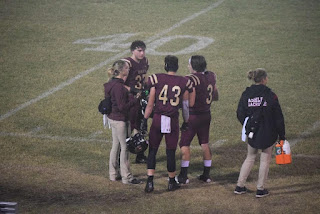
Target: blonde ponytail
[(257, 75), (116, 68)]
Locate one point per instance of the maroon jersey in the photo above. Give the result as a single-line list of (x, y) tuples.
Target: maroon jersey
[(169, 92), (137, 72), (204, 83)]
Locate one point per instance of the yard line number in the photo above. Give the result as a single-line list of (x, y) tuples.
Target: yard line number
[(117, 42)]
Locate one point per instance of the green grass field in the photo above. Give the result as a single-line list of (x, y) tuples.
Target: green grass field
[(54, 56)]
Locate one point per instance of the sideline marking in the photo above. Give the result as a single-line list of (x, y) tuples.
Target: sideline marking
[(305, 134), (95, 134), (216, 144), (307, 156), (91, 138), (48, 137), (86, 72)]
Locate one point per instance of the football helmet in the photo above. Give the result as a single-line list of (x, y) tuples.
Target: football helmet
[(137, 143)]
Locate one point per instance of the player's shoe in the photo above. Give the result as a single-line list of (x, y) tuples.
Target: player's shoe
[(240, 190), (149, 187), (204, 178), (135, 181), (262, 193), (172, 186), (182, 179)]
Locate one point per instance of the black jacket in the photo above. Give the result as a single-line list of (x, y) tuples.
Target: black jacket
[(272, 124)]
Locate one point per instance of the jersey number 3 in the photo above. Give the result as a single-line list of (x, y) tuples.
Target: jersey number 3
[(210, 90), (139, 81)]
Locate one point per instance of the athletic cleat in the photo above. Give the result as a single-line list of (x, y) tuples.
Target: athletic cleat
[(135, 181), (206, 179), (149, 187), (240, 190), (173, 186), (182, 180), (262, 193)]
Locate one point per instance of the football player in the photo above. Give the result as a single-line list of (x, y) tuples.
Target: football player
[(136, 82), (168, 91), (204, 86)]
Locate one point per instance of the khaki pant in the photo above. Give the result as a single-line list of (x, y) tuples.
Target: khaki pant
[(265, 159), (120, 131)]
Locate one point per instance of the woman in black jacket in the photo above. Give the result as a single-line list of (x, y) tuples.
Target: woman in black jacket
[(270, 127)]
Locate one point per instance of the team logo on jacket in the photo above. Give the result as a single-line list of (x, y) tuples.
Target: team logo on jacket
[(253, 102)]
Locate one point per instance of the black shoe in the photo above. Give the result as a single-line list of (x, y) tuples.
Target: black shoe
[(149, 187), (141, 159), (182, 180), (135, 181), (262, 193), (240, 190), (204, 178), (172, 186)]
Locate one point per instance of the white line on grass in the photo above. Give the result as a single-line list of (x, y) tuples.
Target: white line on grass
[(305, 134), (216, 144), (61, 86), (83, 139), (48, 137), (100, 65)]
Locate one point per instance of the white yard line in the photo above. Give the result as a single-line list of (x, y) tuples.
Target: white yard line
[(307, 156), (100, 65), (214, 145), (48, 137), (305, 134), (91, 138)]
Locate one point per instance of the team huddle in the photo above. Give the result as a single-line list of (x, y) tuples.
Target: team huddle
[(168, 93)]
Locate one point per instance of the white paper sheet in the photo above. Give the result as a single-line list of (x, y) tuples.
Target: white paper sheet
[(165, 124)]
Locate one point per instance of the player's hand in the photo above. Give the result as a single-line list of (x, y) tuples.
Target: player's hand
[(144, 125), (184, 126), (134, 91), (138, 95)]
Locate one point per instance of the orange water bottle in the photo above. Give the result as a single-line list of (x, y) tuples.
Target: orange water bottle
[(283, 153), (286, 152), (279, 153)]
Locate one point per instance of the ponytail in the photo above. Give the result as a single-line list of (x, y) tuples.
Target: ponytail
[(257, 75), (116, 68)]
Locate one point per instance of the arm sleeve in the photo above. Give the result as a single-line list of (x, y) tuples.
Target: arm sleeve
[(241, 110), (185, 110), (123, 103)]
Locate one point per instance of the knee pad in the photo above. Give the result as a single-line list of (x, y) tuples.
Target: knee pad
[(171, 160), (151, 162)]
